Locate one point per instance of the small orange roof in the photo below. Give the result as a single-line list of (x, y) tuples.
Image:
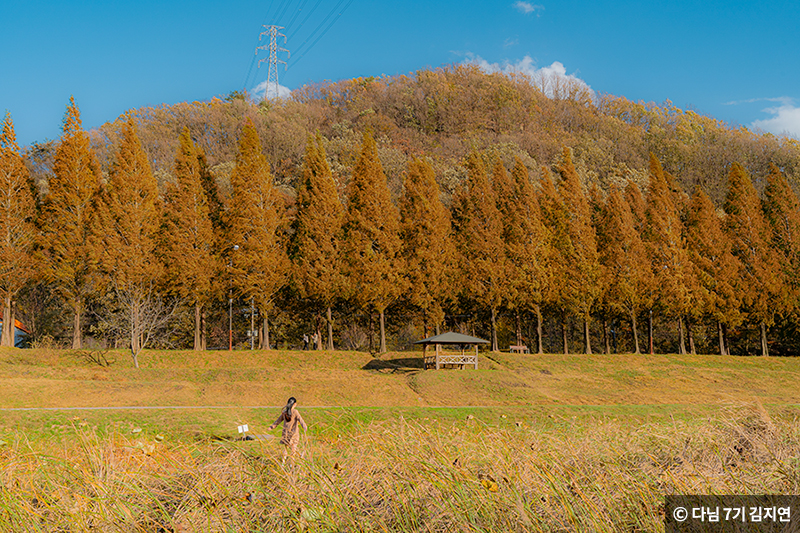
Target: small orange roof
[(18, 325)]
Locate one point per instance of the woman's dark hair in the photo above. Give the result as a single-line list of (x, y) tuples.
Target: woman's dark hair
[(291, 402)]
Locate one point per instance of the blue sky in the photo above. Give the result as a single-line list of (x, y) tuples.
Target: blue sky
[(736, 61)]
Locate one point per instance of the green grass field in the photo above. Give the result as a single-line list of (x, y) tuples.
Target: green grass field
[(525, 443)]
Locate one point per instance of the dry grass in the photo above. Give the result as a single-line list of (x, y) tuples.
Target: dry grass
[(430, 474), (575, 443), (55, 378)]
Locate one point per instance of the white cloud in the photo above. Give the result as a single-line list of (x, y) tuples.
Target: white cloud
[(782, 100), (785, 119), (526, 7), (553, 80), (260, 89)]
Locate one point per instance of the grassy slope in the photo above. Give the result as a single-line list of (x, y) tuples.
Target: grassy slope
[(30, 378), (581, 444)]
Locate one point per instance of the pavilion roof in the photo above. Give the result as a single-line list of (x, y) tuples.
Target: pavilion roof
[(452, 338)]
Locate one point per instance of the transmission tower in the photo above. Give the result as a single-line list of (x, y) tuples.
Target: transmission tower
[(272, 71)]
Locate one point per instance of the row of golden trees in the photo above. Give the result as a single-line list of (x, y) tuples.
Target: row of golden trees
[(510, 243)]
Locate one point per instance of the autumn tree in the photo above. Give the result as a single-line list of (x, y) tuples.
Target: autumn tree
[(70, 226), (371, 238), (479, 235), (315, 245), (17, 230), (582, 262), (669, 258), (717, 269), (527, 243), (131, 225), (260, 265), (762, 280), (636, 202), (624, 256), (782, 211), (188, 236), (556, 220), (427, 247)]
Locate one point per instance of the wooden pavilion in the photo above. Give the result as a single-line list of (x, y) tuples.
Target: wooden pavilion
[(450, 358)]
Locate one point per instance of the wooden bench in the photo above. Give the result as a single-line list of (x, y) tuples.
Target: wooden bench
[(518, 349)]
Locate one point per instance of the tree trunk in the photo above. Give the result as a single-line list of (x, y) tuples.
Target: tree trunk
[(650, 332), (495, 347), (586, 336), (727, 341), (519, 330), (722, 350), (77, 339), (330, 329), (135, 331), (265, 332), (371, 325), (539, 330), (764, 346), (635, 334), (564, 333), (692, 348), (383, 333), (7, 338), (203, 328), (606, 343), (197, 327), (318, 329), (680, 331)]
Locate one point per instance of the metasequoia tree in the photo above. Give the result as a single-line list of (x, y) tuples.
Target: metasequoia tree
[(762, 280), (527, 245), (131, 224), (782, 211), (188, 236), (636, 202), (624, 256), (315, 245), (70, 226), (371, 237), (556, 218), (260, 265), (603, 306), (582, 262), (669, 258), (484, 268), (17, 231), (425, 232), (717, 269)]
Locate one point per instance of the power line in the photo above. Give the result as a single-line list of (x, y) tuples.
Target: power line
[(305, 19), (296, 14), (321, 35), (285, 7), (321, 24)]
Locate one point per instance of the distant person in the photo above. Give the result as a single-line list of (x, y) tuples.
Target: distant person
[(315, 341), (305, 341), (291, 435)]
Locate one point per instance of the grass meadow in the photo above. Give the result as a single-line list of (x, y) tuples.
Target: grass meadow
[(526, 443)]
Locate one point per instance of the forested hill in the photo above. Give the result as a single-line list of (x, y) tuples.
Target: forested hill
[(447, 113), (446, 214)]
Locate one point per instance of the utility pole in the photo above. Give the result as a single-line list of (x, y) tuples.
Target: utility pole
[(272, 71)]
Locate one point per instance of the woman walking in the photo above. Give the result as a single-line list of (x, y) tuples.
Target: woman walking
[(291, 435)]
